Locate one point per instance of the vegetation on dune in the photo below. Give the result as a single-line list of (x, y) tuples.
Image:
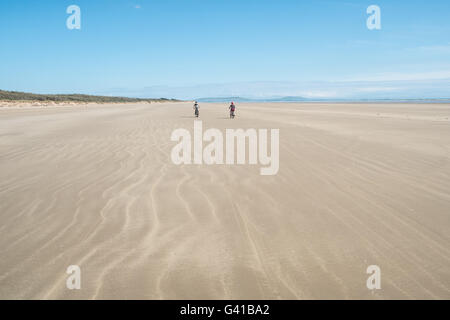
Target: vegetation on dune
[(23, 96)]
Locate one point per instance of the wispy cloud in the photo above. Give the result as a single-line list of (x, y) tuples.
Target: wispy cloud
[(435, 49), (402, 76), (396, 89), (137, 6)]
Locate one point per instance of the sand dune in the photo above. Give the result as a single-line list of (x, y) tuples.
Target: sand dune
[(94, 186)]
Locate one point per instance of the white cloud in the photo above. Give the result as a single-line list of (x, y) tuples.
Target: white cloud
[(403, 76), (393, 89), (319, 94), (435, 49), (377, 89)]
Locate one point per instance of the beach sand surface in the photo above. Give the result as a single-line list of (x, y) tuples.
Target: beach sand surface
[(94, 186)]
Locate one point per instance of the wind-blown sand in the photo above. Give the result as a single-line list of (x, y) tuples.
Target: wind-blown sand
[(94, 186)]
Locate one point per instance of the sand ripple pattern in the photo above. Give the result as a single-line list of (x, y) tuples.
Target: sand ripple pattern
[(94, 186)]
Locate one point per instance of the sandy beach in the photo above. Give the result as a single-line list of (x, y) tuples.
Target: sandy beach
[(94, 186)]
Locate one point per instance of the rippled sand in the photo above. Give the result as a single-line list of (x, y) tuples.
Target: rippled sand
[(94, 186)]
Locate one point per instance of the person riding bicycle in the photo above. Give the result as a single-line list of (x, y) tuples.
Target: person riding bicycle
[(232, 106), (232, 109), (196, 107)]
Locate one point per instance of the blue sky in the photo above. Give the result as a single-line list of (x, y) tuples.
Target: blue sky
[(254, 48)]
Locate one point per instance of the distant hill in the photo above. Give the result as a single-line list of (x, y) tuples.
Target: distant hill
[(241, 99), (223, 99), (23, 96), (302, 99)]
